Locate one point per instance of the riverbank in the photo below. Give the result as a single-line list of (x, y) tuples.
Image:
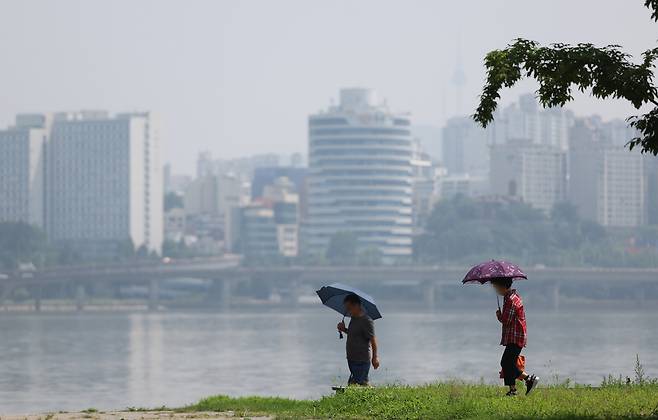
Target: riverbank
[(450, 401), (436, 401), (133, 415)]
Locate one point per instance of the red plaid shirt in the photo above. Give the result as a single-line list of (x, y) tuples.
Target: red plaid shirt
[(513, 320)]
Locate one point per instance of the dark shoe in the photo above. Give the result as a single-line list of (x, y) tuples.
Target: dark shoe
[(531, 383), (511, 394)]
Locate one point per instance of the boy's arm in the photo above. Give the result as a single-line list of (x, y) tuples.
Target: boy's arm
[(370, 332), (375, 355)]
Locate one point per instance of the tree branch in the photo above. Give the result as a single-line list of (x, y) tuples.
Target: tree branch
[(606, 71), (653, 6)]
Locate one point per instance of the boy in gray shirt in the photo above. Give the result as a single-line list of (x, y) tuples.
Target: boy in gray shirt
[(360, 339)]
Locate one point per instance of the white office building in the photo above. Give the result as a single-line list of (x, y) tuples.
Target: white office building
[(465, 149), (285, 201), (22, 152), (527, 121), (607, 183), (618, 132), (360, 176), (424, 184), (214, 195), (104, 180), (533, 173)]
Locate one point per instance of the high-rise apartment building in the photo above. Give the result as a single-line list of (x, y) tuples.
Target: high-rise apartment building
[(208, 202), (527, 121), (213, 195), (617, 132), (284, 200), (651, 170), (104, 181), (88, 178), (22, 165), (360, 176), (85, 177), (465, 149), (607, 183), (533, 173), (424, 177), (258, 232)]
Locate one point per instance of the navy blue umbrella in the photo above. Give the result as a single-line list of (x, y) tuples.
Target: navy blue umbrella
[(334, 294)]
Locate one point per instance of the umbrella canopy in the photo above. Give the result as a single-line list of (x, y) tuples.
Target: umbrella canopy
[(493, 269), (334, 294)]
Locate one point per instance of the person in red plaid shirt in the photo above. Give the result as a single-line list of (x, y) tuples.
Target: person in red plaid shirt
[(514, 337)]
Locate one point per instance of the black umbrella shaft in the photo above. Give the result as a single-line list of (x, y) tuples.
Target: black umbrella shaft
[(340, 333)]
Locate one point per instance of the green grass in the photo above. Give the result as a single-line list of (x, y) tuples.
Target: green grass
[(90, 410), (452, 401)]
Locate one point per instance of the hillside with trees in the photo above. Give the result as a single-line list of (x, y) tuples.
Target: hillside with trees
[(465, 231)]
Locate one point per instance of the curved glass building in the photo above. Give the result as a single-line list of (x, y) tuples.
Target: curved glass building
[(360, 176)]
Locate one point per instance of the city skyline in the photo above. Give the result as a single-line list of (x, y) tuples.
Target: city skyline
[(93, 182), (426, 134), (210, 70)]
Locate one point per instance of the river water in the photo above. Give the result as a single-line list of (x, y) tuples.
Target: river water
[(73, 361)]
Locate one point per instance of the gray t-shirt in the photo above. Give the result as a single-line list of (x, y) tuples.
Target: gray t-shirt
[(359, 333)]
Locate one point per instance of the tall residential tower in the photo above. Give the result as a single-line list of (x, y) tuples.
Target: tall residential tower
[(607, 183), (104, 181), (360, 176), (22, 165)]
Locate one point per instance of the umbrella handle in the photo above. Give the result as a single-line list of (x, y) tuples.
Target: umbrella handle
[(340, 333), (498, 301)]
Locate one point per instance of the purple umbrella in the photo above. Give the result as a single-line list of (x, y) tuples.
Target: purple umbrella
[(493, 269)]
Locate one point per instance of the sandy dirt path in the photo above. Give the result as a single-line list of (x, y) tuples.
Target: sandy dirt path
[(132, 415)]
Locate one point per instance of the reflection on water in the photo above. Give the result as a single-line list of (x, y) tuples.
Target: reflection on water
[(115, 360)]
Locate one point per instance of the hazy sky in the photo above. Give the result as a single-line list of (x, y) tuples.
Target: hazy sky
[(240, 77)]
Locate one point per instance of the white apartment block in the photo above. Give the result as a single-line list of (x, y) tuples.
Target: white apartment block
[(214, 195), (607, 183), (285, 202), (104, 179), (535, 174), (526, 121), (621, 188), (424, 195), (464, 147), (22, 194)]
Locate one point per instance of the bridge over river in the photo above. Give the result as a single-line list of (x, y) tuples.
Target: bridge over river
[(227, 275)]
